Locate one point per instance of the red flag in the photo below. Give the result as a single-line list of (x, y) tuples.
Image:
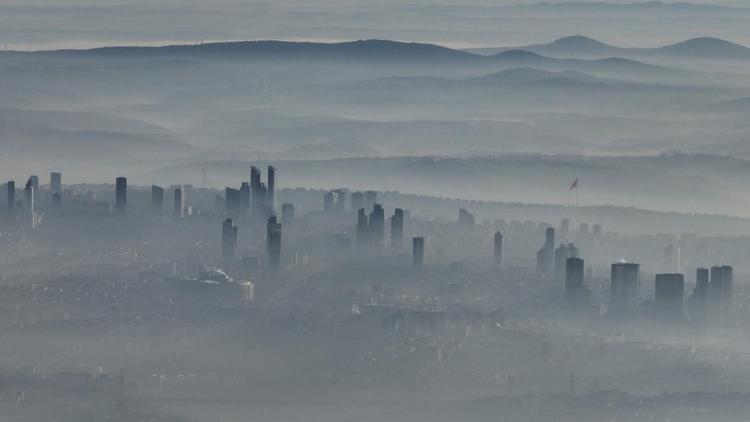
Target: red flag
[(574, 185)]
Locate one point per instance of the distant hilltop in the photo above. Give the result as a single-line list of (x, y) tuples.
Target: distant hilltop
[(375, 49)]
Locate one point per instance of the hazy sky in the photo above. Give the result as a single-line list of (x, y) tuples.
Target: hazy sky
[(40, 24)]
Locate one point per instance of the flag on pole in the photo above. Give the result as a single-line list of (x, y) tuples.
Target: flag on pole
[(574, 185)]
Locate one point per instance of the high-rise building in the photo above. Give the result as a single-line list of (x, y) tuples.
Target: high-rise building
[(699, 300), (376, 226), (498, 249), (545, 257), (669, 292), (397, 230), (56, 200), (257, 193), (245, 196), (357, 201), (362, 229), (625, 288), (562, 254), (35, 182), (577, 295), (11, 195), (29, 199), (233, 203), (55, 182), (157, 199), (339, 203), (273, 243), (417, 253), (271, 193), (179, 202), (720, 294), (228, 240), (287, 214), (121, 195)]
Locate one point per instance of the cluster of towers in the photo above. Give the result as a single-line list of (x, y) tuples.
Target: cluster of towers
[(254, 203), (29, 207)]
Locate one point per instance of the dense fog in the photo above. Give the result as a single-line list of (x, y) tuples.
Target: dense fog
[(349, 211)]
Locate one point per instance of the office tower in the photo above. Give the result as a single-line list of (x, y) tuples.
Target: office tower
[(699, 299), (672, 259), (263, 211), (545, 257), (397, 230), (328, 201), (273, 243), (271, 193), (624, 288), (29, 199), (245, 195), (232, 203), (11, 186), (376, 226), (573, 251), (498, 242), (157, 199), (35, 182), (179, 203), (121, 195), (357, 201), (584, 229), (562, 254), (371, 197), (55, 182), (362, 226), (417, 253), (257, 195), (668, 296), (228, 240), (577, 295), (596, 230), (287, 214), (465, 219), (564, 227), (720, 294)]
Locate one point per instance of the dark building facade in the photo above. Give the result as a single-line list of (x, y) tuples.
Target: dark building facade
[(121, 195), (669, 290)]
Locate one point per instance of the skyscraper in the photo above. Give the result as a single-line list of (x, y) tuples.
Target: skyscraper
[(121, 195), (179, 203), (55, 182), (228, 240), (699, 299), (11, 195), (257, 194), (672, 262), (157, 200), (669, 292), (720, 294), (545, 257), (465, 219), (271, 193), (232, 203), (376, 226), (417, 253), (29, 196), (362, 229), (245, 196), (577, 295), (498, 249), (397, 230), (625, 287), (273, 243)]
